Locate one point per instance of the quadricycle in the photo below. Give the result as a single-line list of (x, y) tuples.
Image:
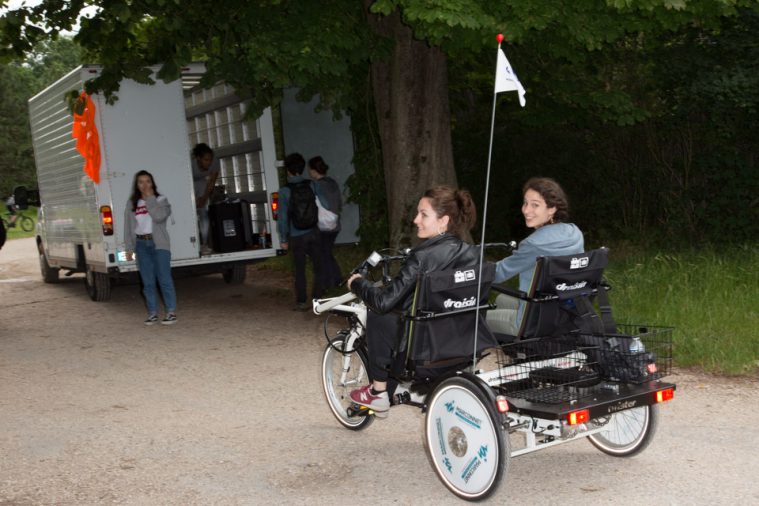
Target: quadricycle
[(570, 371)]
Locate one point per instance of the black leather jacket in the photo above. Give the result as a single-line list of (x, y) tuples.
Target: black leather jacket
[(434, 254)]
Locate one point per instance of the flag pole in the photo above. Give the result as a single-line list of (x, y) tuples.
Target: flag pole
[(499, 38)]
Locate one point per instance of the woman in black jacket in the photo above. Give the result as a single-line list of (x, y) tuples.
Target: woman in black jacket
[(444, 217)]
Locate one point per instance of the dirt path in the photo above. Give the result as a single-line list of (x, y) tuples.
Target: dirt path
[(226, 408)]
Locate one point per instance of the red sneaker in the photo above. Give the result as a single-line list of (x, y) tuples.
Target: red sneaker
[(380, 403)]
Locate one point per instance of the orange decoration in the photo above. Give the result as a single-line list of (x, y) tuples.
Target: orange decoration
[(87, 140)]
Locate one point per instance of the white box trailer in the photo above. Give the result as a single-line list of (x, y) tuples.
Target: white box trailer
[(150, 127)]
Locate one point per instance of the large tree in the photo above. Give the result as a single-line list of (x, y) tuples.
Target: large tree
[(397, 48)]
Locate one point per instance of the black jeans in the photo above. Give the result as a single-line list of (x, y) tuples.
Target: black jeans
[(383, 333), (308, 244), (332, 275)]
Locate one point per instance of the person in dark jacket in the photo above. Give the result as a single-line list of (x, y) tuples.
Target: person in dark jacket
[(302, 242), (444, 216)]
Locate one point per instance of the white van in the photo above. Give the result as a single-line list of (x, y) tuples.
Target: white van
[(152, 127)]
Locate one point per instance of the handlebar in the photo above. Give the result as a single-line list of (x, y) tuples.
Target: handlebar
[(510, 246), (376, 259), (324, 305)]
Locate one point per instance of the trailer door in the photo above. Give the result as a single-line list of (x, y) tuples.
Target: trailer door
[(145, 130)]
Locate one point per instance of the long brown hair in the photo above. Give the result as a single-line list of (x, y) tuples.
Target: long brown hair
[(136, 193), (552, 193), (457, 205)]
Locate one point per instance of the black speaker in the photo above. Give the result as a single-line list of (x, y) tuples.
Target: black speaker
[(230, 226)]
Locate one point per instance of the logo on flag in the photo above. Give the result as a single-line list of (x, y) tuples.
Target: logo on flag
[(506, 79)]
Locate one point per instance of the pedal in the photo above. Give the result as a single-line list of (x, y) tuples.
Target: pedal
[(359, 410)]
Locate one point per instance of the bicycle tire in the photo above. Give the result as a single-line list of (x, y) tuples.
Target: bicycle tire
[(26, 223)]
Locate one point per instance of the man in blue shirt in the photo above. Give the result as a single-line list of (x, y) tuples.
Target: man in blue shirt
[(302, 242)]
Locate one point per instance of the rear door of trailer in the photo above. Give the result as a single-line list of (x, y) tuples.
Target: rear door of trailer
[(145, 130)]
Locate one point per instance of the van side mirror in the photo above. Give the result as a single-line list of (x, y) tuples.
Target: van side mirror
[(21, 196), (25, 198)]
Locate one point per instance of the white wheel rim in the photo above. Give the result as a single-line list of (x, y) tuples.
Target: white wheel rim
[(338, 396), (625, 428), (462, 441)]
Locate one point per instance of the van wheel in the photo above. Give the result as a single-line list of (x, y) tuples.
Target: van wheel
[(98, 286), (49, 274), (235, 275)]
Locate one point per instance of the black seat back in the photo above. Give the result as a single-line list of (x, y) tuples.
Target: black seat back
[(442, 321), (566, 288)]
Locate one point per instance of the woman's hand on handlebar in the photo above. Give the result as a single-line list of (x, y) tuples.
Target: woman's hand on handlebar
[(350, 279)]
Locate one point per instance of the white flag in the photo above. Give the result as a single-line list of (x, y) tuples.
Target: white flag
[(506, 79)]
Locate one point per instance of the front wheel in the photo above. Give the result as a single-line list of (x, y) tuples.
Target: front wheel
[(49, 274), (341, 373), (465, 442), (628, 432)]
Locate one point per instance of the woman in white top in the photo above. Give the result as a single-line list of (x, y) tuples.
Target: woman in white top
[(145, 234)]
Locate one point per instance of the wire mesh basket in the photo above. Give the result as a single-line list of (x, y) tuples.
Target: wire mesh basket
[(547, 370), (554, 370), (634, 354), (651, 359)]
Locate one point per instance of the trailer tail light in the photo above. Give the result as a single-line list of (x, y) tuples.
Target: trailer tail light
[(576, 417), (274, 205), (665, 395), (501, 404), (106, 220)]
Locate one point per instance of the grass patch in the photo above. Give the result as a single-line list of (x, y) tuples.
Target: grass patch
[(709, 297)]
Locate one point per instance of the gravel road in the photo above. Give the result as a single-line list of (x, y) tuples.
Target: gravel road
[(226, 408)]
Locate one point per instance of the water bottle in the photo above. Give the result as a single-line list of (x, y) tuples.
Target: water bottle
[(636, 345)]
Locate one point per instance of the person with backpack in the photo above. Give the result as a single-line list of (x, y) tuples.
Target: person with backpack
[(298, 227), (330, 190)]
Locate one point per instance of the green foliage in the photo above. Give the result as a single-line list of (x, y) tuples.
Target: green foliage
[(16, 164), (632, 104), (19, 81), (708, 295), (651, 135)]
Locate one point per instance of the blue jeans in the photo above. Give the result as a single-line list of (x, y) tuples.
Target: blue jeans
[(155, 265), (203, 225)]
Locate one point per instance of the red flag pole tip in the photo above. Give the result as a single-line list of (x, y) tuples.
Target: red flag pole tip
[(499, 38)]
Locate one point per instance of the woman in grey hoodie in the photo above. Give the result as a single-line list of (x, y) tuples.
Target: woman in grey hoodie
[(546, 209), (145, 234)]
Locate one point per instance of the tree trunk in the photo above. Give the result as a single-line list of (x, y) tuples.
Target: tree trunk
[(411, 98)]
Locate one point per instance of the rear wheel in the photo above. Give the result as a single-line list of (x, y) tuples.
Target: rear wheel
[(336, 389), (628, 432), (465, 442), (98, 286), (49, 274), (27, 224), (236, 274)]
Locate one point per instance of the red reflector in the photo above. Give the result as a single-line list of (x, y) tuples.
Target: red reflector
[(274, 204), (576, 417), (665, 395), (501, 404), (106, 220)]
